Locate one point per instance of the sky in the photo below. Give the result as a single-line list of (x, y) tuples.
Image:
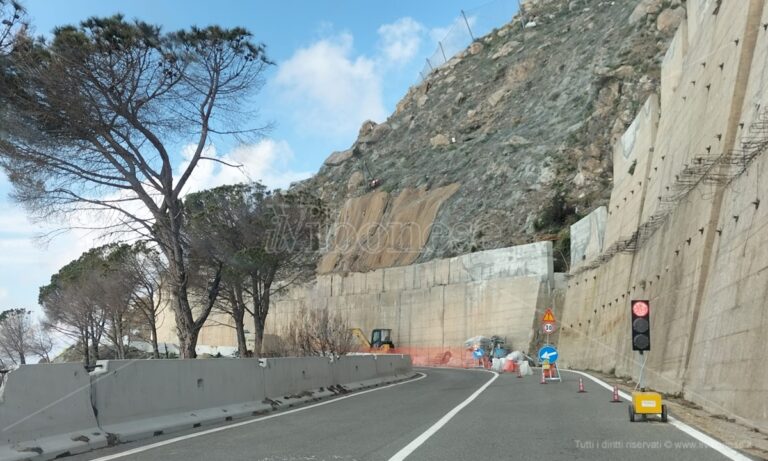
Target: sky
[(338, 63)]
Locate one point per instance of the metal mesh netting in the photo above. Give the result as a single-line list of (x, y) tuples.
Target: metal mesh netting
[(467, 27)]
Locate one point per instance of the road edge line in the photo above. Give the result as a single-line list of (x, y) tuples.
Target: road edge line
[(424, 436), (193, 435), (710, 441)]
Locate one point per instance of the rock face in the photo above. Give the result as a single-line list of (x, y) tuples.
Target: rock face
[(669, 19), (522, 122), (378, 230)]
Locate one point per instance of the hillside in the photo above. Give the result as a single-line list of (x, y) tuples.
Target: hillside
[(508, 143)]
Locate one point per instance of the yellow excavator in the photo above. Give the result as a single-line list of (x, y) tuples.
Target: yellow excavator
[(381, 340)]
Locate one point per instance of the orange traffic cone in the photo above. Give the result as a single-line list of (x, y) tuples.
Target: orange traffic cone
[(615, 398), (581, 386)]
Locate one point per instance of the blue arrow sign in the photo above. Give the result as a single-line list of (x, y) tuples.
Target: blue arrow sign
[(548, 353)]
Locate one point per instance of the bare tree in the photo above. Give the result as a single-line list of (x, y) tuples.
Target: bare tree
[(319, 332), (83, 301), (16, 335), (145, 268), (42, 344), (95, 111)]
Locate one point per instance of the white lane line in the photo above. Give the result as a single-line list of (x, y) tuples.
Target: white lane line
[(418, 441), (133, 451), (716, 445)]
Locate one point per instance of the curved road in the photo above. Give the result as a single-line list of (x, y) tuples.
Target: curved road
[(508, 418)]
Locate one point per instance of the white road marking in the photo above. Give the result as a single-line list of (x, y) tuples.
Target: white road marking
[(418, 441), (716, 445), (152, 446)]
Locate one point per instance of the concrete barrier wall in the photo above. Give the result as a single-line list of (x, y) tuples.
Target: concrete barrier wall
[(135, 399), (703, 265), (290, 376), (355, 369), (50, 410), (45, 410)]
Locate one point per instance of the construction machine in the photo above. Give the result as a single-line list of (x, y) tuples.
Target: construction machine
[(381, 339)]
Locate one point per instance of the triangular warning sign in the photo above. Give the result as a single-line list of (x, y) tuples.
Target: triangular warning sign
[(549, 317)]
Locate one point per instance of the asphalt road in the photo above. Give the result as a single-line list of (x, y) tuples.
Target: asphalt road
[(511, 418)]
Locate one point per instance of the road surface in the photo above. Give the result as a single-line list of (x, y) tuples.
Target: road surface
[(436, 418)]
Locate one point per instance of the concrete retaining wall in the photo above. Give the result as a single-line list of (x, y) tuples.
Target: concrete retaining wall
[(50, 410), (437, 304), (701, 258)]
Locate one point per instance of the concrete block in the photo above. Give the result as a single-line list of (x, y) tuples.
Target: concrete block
[(393, 365), (45, 411), (348, 370), (289, 376), (672, 65), (587, 237), (441, 272), (374, 281), (138, 398)]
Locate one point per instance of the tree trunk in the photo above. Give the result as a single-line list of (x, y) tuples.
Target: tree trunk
[(238, 317), (153, 339), (258, 324), (242, 344), (174, 251), (86, 350), (187, 340)]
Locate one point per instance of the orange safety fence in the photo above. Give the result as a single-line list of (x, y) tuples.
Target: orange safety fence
[(443, 356)]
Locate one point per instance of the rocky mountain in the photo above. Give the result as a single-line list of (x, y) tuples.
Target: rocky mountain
[(507, 143)]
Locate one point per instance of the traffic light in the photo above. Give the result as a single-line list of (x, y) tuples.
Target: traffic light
[(641, 325)]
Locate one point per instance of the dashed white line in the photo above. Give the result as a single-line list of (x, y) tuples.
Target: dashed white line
[(418, 441)]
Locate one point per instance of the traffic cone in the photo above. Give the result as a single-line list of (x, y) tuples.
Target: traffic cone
[(615, 398), (581, 386), (543, 380), (519, 372)]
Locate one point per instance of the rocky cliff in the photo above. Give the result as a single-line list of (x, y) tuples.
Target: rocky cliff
[(507, 143)]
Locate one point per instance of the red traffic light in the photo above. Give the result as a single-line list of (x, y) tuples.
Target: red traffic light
[(640, 308), (641, 325)]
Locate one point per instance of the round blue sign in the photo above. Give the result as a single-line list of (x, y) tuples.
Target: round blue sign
[(548, 353)]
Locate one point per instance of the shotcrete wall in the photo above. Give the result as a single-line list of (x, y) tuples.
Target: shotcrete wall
[(688, 231)]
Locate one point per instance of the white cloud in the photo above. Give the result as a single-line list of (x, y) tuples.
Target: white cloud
[(267, 161), (328, 90), (400, 41)]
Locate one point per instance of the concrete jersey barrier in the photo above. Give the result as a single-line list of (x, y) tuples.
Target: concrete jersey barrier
[(138, 399), (51, 410), (45, 411)]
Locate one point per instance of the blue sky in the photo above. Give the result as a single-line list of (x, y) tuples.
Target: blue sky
[(338, 64)]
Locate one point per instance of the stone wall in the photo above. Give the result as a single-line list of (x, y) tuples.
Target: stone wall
[(686, 229)]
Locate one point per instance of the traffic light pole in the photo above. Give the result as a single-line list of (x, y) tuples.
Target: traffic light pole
[(641, 372)]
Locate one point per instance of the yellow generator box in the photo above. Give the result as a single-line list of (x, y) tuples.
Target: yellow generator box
[(646, 402)]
